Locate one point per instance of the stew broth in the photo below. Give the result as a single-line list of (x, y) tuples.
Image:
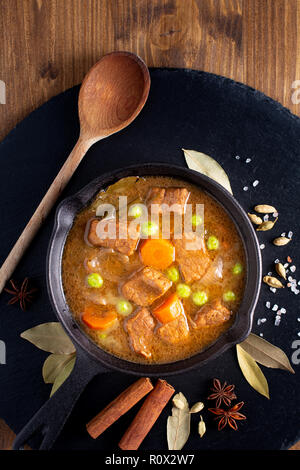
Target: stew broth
[(142, 332)]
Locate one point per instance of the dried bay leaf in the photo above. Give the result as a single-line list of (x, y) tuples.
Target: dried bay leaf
[(178, 425), (252, 372), (206, 165), (266, 353), (64, 374), (50, 337), (53, 365)]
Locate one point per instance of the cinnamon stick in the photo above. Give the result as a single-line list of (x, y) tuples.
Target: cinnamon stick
[(147, 416), (119, 406)]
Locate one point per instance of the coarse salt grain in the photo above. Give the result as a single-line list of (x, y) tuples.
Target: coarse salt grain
[(263, 320), (290, 278), (270, 273), (290, 234), (275, 214), (261, 334), (285, 265), (266, 217), (283, 234), (277, 320), (262, 246), (268, 304), (273, 289), (298, 319), (275, 308), (298, 333), (237, 157), (245, 188), (248, 160), (258, 321), (293, 268), (283, 310), (276, 261), (255, 183)]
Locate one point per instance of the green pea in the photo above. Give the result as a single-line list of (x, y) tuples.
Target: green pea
[(200, 297), (124, 307), (95, 280), (135, 211), (173, 274), (149, 228), (229, 296), (237, 268), (212, 243), (183, 290), (196, 220)]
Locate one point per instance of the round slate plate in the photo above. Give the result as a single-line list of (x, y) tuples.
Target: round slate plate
[(186, 109)]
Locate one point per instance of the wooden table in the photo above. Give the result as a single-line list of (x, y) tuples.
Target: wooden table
[(47, 46)]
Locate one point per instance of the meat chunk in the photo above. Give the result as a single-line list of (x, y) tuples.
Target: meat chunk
[(140, 328), (145, 286), (168, 196), (120, 239), (212, 314), (174, 331), (192, 256)]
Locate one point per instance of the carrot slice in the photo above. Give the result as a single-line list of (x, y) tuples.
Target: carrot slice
[(97, 319), (170, 309), (158, 253)]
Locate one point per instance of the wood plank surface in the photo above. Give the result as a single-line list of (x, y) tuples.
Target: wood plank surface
[(47, 46)]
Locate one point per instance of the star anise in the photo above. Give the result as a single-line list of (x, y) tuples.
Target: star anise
[(228, 416), (222, 393), (22, 294)]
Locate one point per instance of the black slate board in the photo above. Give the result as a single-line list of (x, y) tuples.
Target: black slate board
[(185, 109)]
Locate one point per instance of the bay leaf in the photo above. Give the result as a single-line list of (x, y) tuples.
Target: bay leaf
[(266, 353), (179, 424), (50, 337), (206, 165), (64, 374), (252, 372), (53, 365)]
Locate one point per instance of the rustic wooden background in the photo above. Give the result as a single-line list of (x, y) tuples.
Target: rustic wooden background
[(47, 46)]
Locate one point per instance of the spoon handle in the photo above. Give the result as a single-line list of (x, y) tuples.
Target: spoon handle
[(43, 209)]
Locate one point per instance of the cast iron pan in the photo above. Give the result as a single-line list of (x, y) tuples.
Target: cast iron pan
[(91, 360)]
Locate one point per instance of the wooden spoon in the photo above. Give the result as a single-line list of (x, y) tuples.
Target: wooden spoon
[(111, 96)]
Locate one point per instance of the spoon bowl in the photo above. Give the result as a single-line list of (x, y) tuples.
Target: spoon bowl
[(113, 93)]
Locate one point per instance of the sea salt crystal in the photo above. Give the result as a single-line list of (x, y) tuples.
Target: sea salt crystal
[(275, 308), (283, 234), (258, 321), (298, 333), (263, 320), (296, 291), (270, 273), (293, 268), (262, 246), (275, 214), (290, 234), (290, 278), (276, 261), (248, 160), (266, 217), (273, 289), (298, 283), (255, 183), (261, 334), (285, 265), (268, 304), (245, 188), (283, 310), (277, 320), (237, 157), (298, 319)]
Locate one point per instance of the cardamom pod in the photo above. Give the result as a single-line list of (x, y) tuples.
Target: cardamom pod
[(281, 241), (197, 407), (267, 225), (178, 403), (255, 219), (201, 427), (280, 270), (273, 282), (265, 209)]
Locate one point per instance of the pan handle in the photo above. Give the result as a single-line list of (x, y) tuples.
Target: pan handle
[(49, 420)]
